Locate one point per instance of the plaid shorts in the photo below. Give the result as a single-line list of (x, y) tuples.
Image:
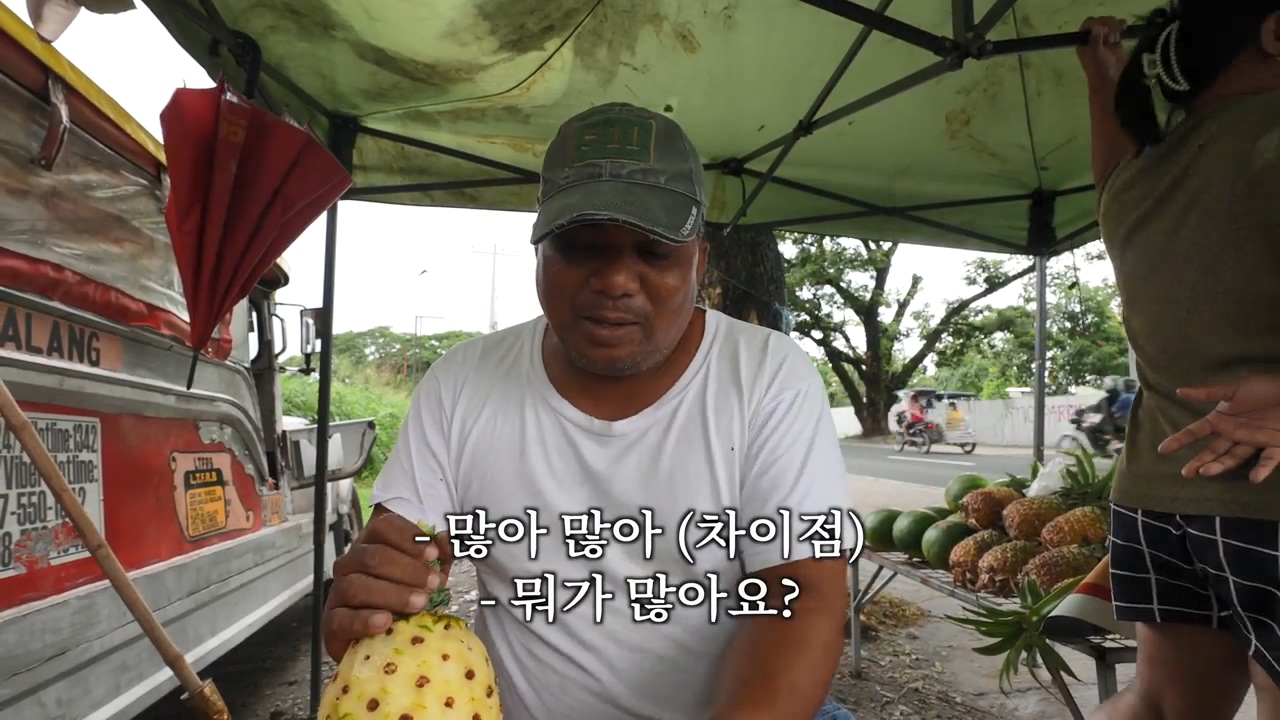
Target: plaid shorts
[(1221, 572)]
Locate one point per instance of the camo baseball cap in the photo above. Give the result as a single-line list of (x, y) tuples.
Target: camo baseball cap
[(622, 164)]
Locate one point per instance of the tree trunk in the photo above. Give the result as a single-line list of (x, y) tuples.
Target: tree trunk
[(874, 417), (745, 276)]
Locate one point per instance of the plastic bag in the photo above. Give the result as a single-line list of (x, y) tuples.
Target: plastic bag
[(1049, 480)]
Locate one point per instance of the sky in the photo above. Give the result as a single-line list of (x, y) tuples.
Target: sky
[(407, 268)]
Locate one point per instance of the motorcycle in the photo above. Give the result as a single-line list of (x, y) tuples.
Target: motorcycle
[(1084, 421), (921, 436)]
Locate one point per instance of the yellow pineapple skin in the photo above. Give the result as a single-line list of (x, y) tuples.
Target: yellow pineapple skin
[(1025, 518), (1081, 526), (999, 568), (424, 667), (966, 554), (1059, 565), (983, 508)]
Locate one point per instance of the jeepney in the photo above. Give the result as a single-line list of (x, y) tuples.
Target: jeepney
[(202, 493)]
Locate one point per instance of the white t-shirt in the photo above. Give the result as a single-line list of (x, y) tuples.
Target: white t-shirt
[(747, 428)]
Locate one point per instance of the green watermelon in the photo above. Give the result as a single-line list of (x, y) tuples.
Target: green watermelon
[(909, 529), (962, 485), (942, 513), (877, 528), (938, 540), (1013, 483)]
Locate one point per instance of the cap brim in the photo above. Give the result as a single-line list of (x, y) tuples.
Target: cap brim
[(666, 214)]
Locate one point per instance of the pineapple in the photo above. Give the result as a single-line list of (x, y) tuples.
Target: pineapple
[(428, 665), (1059, 565), (966, 554), (1082, 526), (998, 570), (982, 508), (1024, 518)]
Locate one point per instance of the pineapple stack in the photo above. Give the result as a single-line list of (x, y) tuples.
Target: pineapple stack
[(1051, 539)]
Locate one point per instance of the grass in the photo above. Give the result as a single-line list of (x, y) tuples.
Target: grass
[(364, 489)]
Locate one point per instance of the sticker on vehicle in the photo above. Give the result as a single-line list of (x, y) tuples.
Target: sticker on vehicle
[(35, 532)]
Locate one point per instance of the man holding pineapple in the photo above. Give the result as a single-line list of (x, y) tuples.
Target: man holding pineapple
[(627, 398)]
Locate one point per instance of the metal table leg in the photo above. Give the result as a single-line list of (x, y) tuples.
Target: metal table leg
[(1107, 683), (859, 597), (855, 621)]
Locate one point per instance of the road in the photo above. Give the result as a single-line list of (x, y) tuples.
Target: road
[(935, 469)]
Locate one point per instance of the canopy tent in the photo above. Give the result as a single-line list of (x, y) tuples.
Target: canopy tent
[(953, 123), (957, 119)]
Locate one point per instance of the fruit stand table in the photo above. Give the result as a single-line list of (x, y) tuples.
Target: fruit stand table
[(1107, 651)]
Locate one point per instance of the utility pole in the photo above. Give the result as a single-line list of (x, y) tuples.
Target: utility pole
[(417, 333), (493, 285)]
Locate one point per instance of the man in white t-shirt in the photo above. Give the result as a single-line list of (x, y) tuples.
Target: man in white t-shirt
[(624, 400)]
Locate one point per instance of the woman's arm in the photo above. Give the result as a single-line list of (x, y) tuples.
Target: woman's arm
[(1111, 145), (1103, 59)]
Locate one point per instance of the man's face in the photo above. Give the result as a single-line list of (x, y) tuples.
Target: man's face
[(616, 299)]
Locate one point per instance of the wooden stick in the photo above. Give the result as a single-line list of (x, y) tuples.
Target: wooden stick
[(20, 425)]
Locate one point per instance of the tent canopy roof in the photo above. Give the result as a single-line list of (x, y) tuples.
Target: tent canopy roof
[(959, 123)]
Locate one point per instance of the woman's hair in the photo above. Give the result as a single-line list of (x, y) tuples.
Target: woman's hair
[(1184, 49)]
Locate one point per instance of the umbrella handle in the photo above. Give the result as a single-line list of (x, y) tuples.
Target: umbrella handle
[(203, 696)]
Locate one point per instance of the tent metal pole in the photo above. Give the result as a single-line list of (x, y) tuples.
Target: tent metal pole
[(961, 19), (342, 137), (890, 26), (805, 126), (924, 75), (1042, 343), (883, 210)]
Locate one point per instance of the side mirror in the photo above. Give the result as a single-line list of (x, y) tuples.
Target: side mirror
[(283, 335), (308, 321)]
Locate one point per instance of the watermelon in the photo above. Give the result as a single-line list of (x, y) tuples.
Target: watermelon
[(1016, 484), (877, 528), (941, 512), (909, 529), (938, 540), (962, 485)]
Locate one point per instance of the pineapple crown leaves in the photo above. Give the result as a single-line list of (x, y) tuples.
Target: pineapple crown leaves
[(439, 600), (1084, 486), (1017, 632)]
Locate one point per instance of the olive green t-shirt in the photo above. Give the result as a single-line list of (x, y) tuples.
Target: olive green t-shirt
[(1193, 230)]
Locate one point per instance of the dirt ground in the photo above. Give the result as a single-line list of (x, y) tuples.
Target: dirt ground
[(266, 678)]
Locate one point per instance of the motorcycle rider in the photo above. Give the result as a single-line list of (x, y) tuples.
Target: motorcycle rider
[(1120, 411), (915, 413), (1101, 432)]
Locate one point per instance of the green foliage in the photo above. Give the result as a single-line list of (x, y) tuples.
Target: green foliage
[(989, 349), (836, 394), (1018, 637), (352, 399), (392, 355), (374, 375), (837, 284)]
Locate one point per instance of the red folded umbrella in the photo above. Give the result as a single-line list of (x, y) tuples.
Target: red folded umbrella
[(243, 185)]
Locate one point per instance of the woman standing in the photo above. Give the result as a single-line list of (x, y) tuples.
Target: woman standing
[(1186, 156)]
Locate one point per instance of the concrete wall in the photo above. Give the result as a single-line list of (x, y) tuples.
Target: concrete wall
[(997, 422)]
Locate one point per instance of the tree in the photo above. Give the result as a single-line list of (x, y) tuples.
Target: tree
[(837, 283), (401, 357), (746, 277), (836, 395), (1085, 339)]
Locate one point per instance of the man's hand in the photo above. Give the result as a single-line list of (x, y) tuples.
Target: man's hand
[(1104, 57), (386, 572), (1246, 421)]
